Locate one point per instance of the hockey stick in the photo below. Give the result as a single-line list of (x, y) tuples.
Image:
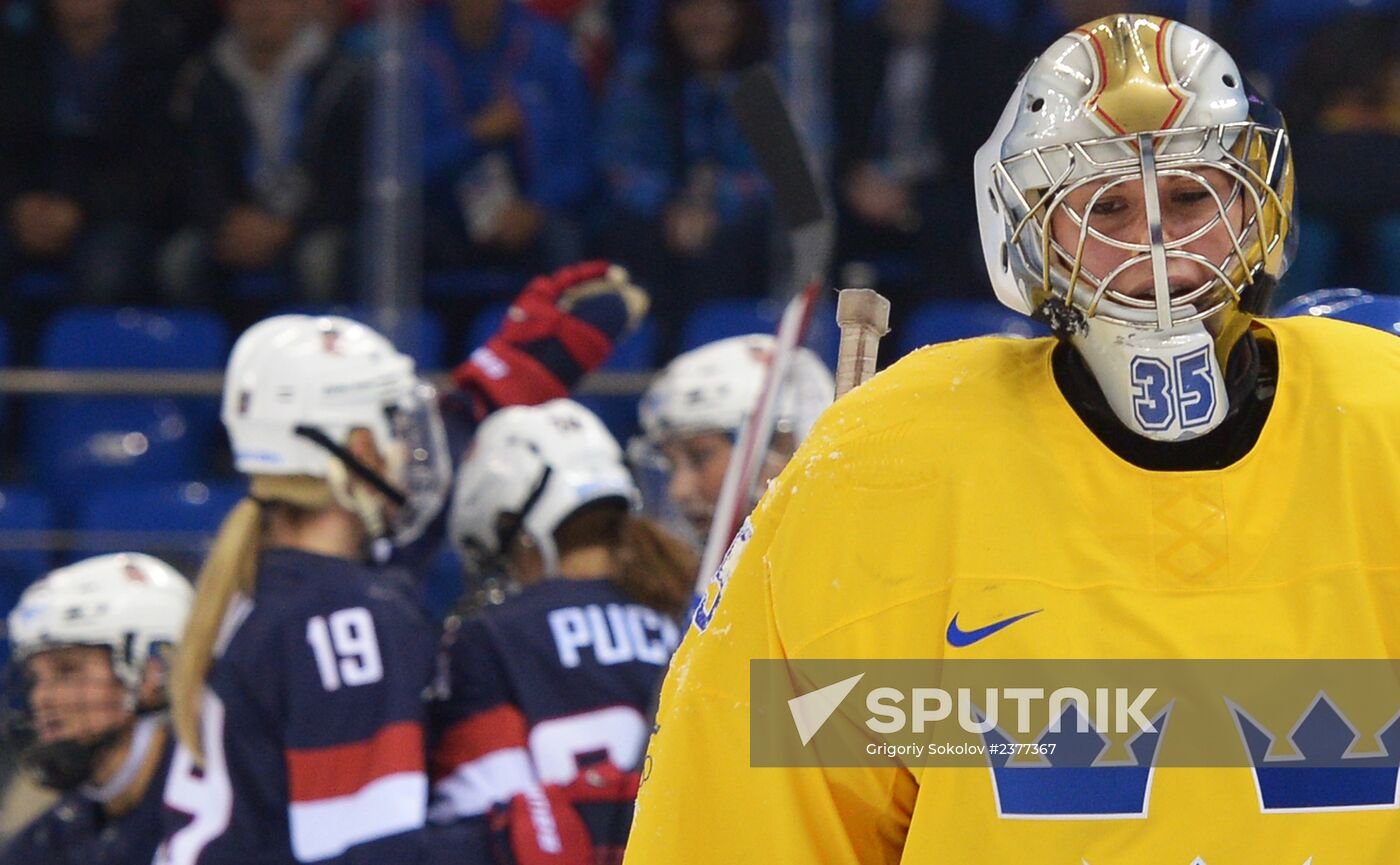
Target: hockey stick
[(863, 316), (768, 130)]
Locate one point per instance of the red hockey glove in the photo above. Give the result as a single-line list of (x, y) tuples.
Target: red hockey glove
[(561, 327), (540, 827), (544, 827)]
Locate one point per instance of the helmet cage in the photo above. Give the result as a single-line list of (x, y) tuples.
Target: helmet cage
[(1029, 188)]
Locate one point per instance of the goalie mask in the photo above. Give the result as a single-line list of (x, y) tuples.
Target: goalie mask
[(536, 466), (298, 387), (1136, 196), (83, 636)]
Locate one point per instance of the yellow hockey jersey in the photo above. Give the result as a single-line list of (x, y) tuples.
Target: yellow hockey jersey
[(960, 482)]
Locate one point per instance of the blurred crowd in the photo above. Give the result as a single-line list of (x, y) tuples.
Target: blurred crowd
[(173, 152)]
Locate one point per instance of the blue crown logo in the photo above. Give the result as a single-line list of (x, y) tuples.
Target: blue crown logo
[(1073, 781), (1323, 778)]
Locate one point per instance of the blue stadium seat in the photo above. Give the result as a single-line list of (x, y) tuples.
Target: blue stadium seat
[(20, 511), (77, 443), (947, 320), (636, 352), (718, 319), (182, 516), (420, 334)]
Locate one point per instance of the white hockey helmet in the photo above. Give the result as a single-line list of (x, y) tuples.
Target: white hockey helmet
[(541, 464), (714, 387), (298, 385), (130, 603), (1078, 116)]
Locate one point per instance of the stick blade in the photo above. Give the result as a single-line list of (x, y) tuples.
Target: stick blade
[(768, 130)]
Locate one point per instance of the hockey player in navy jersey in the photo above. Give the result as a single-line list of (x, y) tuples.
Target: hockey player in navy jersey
[(297, 691), (90, 645), (549, 690)]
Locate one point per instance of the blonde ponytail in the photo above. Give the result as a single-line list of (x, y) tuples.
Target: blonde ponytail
[(230, 569)]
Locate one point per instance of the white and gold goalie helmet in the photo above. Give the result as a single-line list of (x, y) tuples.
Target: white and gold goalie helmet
[(1137, 196)]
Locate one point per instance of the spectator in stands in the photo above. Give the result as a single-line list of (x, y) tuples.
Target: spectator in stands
[(690, 212), (274, 119), (917, 91), (84, 143), (506, 138), (1344, 104)]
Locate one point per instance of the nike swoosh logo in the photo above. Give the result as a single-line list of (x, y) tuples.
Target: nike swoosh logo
[(958, 638)]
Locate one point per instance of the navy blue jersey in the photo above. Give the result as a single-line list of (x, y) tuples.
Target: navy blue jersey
[(78, 831), (313, 725), (550, 683)]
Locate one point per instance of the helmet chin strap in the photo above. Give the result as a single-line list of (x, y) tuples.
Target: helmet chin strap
[(368, 500), (549, 553)]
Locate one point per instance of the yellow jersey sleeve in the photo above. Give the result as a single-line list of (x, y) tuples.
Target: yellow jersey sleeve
[(701, 801)]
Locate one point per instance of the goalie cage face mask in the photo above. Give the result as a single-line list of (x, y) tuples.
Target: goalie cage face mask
[(1137, 196)]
